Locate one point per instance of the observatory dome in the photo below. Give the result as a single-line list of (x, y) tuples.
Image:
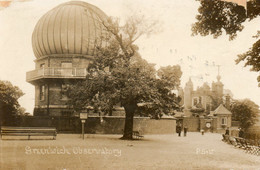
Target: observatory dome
[(73, 28)]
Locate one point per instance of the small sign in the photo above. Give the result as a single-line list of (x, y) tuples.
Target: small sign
[(83, 115), (83, 121)]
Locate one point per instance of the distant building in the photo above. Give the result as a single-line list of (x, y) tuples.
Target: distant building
[(64, 42), (210, 105), (204, 98), (223, 117)]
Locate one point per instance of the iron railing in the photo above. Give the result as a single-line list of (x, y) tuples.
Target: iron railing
[(56, 73)]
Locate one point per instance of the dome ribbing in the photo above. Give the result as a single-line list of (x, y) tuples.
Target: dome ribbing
[(70, 28)]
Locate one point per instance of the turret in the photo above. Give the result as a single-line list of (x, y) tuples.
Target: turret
[(188, 94)]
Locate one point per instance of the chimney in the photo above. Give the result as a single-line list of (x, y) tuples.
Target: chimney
[(228, 101)]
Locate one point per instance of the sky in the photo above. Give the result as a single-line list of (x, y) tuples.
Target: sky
[(171, 44)]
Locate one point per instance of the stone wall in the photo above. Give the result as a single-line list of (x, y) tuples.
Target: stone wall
[(204, 122), (195, 124), (94, 125), (152, 126), (192, 123)]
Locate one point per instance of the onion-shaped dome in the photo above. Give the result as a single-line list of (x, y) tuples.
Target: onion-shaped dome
[(71, 28)]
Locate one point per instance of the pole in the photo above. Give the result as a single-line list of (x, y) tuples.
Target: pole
[(83, 117), (48, 99), (83, 130)]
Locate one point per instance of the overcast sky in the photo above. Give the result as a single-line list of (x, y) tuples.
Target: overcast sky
[(173, 44)]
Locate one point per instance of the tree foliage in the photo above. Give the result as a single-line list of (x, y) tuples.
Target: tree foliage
[(216, 17), (9, 105), (246, 112), (252, 57), (119, 74)]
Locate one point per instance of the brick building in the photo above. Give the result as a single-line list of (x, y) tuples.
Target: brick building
[(206, 107), (64, 42)]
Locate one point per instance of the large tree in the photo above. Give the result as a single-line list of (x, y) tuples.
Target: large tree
[(246, 112), (252, 57), (218, 16), (118, 74), (9, 105)]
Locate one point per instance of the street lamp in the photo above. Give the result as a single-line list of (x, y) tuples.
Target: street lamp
[(83, 117)]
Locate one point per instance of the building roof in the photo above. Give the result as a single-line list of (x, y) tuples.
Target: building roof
[(222, 110), (73, 27)]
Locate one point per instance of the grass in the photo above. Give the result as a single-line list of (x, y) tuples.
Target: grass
[(108, 152)]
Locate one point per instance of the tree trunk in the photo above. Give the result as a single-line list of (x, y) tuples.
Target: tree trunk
[(110, 112), (129, 121)]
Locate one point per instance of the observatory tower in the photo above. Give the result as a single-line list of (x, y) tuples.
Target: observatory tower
[(64, 42)]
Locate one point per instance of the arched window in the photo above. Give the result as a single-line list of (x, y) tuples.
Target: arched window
[(224, 121)]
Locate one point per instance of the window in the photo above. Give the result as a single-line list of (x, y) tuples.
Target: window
[(195, 101), (223, 121), (63, 95), (42, 92)]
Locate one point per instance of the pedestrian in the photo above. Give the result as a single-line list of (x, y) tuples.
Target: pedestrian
[(227, 131), (179, 130), (202, 131), (185, 130)]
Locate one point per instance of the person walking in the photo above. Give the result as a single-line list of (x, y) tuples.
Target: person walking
[(185, 130), (179, 130), (227, 131)]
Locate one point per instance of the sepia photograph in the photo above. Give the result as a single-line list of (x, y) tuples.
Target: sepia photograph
[(129, 84)]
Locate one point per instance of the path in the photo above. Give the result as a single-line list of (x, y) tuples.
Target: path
[(108, 152)]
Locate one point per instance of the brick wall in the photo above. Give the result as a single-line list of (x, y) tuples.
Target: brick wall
[(110, 125), (192, 123)]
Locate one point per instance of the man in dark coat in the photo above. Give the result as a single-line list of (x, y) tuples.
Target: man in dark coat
[(185, 130), (227, 131), (241, 133), (179, 129)]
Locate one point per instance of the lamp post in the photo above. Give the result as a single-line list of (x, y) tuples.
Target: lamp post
[(83, 117)]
